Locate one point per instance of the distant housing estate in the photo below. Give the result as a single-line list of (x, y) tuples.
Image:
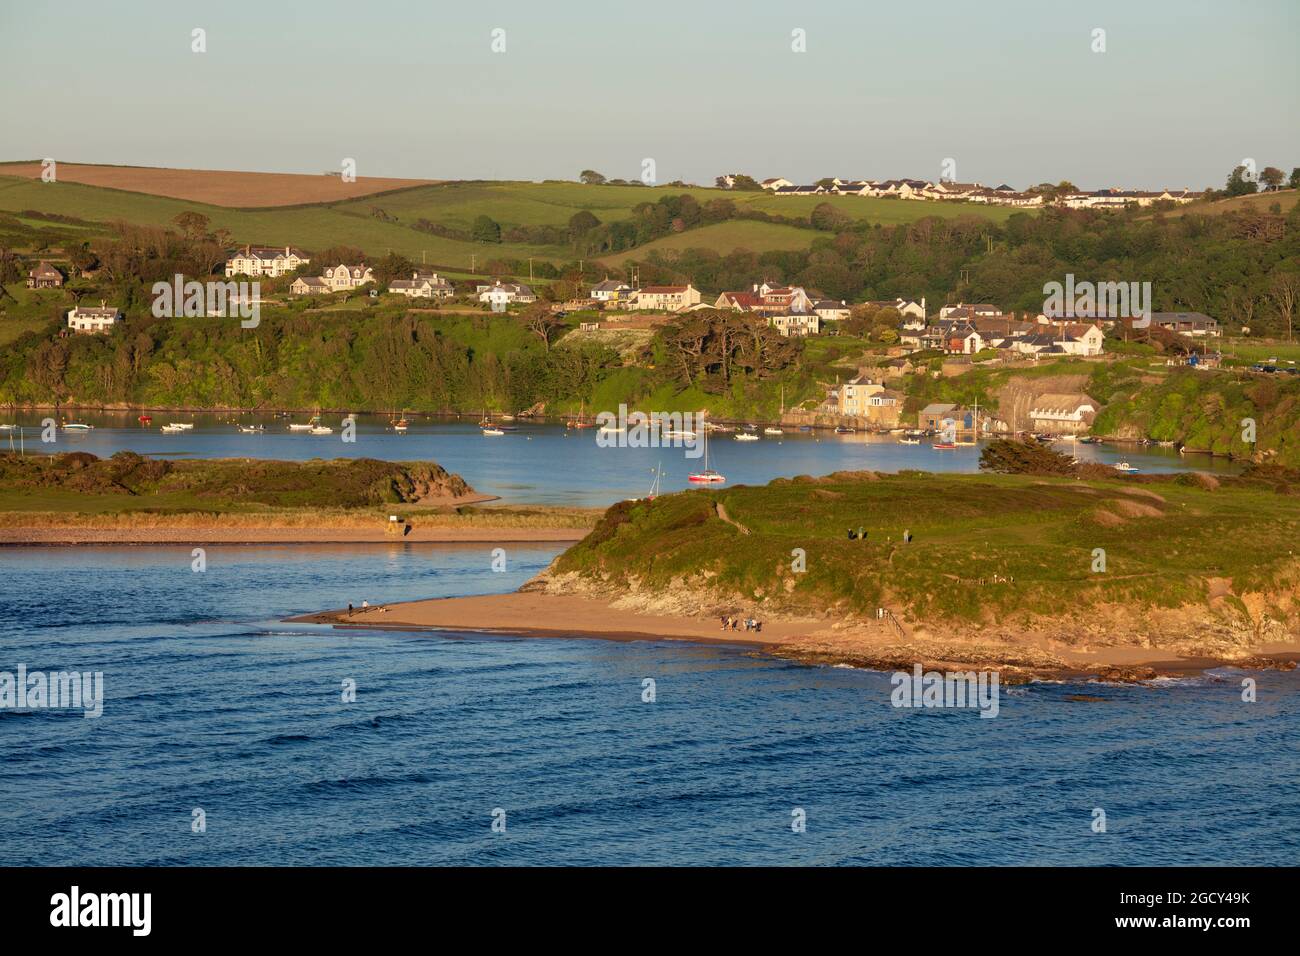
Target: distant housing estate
[(269, 261), (1003, 195)]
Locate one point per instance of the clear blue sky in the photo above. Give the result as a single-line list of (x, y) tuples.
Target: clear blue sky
[(1011, 90)]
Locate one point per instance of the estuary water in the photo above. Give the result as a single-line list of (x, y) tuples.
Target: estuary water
[(546, 463), (213, 706)]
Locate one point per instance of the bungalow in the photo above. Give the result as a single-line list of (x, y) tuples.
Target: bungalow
[(505, 293), (270, 261), (1186, 323), (669, 298), (776, 183), (796, 324), (423, 285), (610, 290), (1082, 339), (1063, 413), (44, 276), (310, 285), (93, 319)]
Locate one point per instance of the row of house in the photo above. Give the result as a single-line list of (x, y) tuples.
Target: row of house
[(1003, 195)]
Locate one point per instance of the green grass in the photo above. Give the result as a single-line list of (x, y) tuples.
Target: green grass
[(725, 237), (966, 528)]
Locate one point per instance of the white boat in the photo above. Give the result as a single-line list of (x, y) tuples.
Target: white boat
[(676, 433), (313, 422), (321, 430), (1124, 467), (7, 427), (182, 426), (706, 476), (252, 429), (492, 431), (773, 430), (909, 441), (76, 427), (746, 436), (171, 429)]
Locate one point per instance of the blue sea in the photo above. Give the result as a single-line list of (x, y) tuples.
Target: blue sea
[(213, 704)]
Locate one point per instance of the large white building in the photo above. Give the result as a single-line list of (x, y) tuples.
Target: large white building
[(93, 319), (267, 261)]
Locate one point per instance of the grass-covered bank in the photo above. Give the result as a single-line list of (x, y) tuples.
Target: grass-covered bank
[(985, 548)]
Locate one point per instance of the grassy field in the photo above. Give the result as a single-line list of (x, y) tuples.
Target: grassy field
[(1256, 202), (725, 237), (456, 205), (984, 546)]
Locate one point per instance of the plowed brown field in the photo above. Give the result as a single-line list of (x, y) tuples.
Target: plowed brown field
[(217, 187)]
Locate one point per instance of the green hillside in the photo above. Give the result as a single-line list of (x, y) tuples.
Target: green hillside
[(388, 222)]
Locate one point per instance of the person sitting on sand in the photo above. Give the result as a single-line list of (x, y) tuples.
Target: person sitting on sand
[(852, 534)]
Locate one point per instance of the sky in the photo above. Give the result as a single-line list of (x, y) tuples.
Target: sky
[(1010, 91)]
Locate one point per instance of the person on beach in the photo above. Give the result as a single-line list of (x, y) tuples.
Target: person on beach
[(349, 609), (852, 534), (907, 537), (862, 535)]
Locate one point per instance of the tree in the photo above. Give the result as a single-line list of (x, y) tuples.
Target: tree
[(486, 229), (1239, 185), (1294, 181), (193, 225), (540, 321), (1285, 292), (1272, 177), (745, 183), (581, 223), (591, 177), (827, 217), (392, 266)]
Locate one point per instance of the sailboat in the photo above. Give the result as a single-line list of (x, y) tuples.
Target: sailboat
[(706, 476), (581, 420), (401, 424), (299, 427)]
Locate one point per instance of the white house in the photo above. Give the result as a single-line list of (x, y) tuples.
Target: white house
[(830, 310), (796, 324), (270, 261), (776, 183), (505, 293), (309, 285), (93, 319), (610, 290), (423, 285), (669, 298)]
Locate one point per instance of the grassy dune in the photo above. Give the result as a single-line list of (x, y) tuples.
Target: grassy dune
[(985, 546)]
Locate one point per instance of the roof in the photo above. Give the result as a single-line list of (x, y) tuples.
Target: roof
[(1196, 318), (609, 285), (268, 252), (938, 408), (95, 311), (663, 289), (45, 269)]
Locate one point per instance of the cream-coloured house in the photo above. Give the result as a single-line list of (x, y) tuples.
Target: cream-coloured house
[(855, 393), (1062, 413), (93, 319), (668, 298), (340, 278), (309, 285), (271, 261)]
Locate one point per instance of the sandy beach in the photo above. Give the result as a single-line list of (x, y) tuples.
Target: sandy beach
[(432, 534), (814, 641)]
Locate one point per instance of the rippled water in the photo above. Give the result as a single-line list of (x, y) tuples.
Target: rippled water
[(212, 703), (544, 464)]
